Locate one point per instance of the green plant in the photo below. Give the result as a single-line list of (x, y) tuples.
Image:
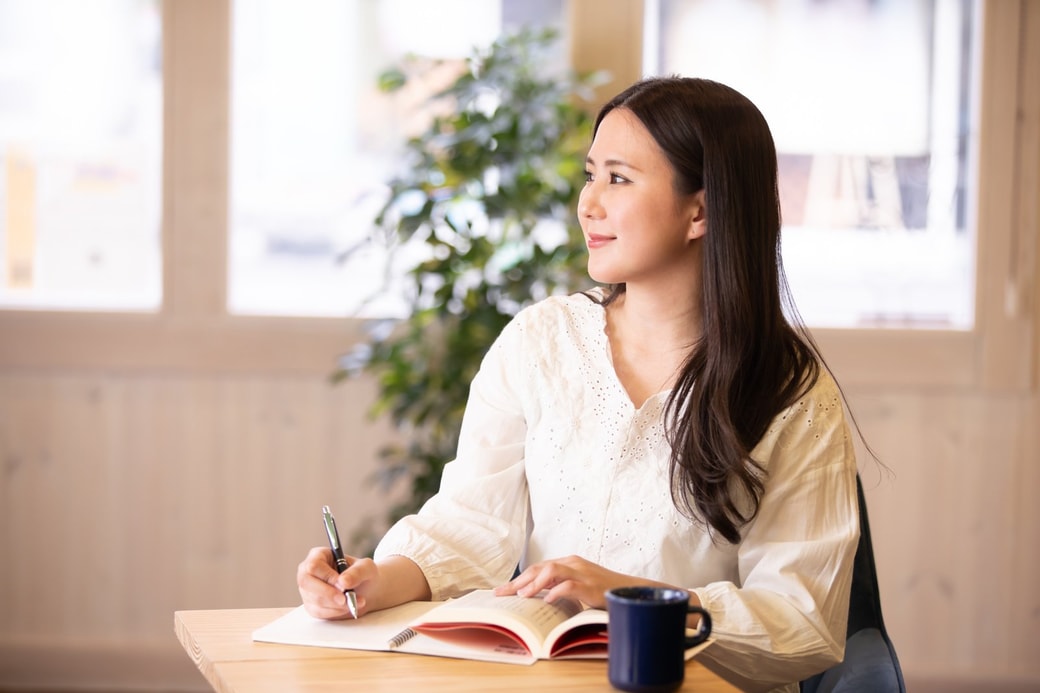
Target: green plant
[(490, 189)]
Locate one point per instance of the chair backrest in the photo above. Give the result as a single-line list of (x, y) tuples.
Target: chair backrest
[(870, 664), (865, 598)]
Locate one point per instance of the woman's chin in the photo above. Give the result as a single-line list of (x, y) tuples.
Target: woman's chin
[(602, 275)]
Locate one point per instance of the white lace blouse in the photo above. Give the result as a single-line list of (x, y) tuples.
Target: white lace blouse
[(555, 460)]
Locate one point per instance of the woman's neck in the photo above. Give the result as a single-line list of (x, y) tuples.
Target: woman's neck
[(665, 320), (651, 335)]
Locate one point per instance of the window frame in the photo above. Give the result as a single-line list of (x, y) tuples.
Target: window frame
[(192, 331)]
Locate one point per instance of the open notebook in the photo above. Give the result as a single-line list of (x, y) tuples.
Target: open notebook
[(479, 625)]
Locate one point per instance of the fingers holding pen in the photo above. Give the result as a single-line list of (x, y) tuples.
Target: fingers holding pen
[(322, 587), (360, 577), (314, 578)]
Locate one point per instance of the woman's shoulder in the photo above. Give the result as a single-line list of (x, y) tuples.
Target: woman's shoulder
[(824, 387), (554, 325), (820, 405), (579, 307), (556, 330), (811, 431)]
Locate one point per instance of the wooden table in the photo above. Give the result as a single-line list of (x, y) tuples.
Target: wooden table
[(220, 643)]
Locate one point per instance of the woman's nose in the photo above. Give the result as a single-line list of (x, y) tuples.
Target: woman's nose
[(588, 203)]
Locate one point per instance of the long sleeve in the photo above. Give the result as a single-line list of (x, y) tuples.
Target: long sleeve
[(471, 534), (786, 619)]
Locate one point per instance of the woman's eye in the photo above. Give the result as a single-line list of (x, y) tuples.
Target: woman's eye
[(614, 178)]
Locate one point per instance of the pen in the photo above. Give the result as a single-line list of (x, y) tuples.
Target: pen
[(337, 553)]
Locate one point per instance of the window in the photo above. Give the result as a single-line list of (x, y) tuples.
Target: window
[(871, 107), (313, 139), (192, 332), (80, 154)]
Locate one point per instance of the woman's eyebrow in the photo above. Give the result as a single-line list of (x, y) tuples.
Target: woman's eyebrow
[(612, 162)]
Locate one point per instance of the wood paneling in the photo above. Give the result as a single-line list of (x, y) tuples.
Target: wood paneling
[(126, 498), (955, 536)]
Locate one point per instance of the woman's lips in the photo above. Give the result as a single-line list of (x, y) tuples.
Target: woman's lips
[(597, 241)]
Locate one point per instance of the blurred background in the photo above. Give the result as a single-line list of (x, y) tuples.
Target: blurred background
[(187, 189)]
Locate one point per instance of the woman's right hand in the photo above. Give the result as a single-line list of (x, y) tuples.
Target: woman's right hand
[(390, 582), (321, 587)]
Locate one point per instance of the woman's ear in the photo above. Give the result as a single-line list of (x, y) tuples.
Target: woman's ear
[(698, 216)]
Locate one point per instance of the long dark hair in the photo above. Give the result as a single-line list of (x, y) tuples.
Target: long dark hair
[(752, 360)]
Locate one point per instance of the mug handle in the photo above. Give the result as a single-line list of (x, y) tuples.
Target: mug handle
[(705, 627)]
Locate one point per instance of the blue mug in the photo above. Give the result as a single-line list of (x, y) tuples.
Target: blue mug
[(646, 637)]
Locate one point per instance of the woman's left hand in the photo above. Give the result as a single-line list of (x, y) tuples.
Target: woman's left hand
[(572, 577)]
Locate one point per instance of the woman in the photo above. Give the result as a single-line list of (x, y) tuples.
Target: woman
[(671, 429)]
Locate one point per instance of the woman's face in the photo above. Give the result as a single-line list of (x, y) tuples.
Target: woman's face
[(637, 228)]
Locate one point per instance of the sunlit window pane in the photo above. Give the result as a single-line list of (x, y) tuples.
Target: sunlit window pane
[(80, 154), (313, 139), (871, 107)]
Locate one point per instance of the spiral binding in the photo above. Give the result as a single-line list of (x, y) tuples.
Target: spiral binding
[(401, 638)]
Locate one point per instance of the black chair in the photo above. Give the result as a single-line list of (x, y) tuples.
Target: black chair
[(870, 664)]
